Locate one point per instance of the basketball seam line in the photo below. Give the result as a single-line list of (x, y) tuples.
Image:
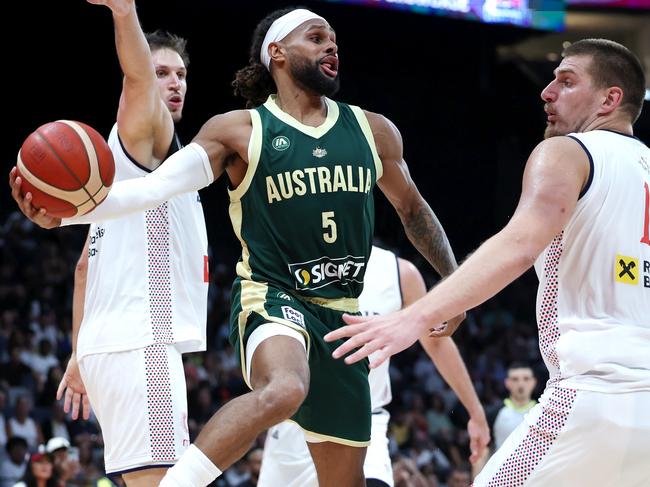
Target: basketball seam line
[(74, 176), (99, 166)]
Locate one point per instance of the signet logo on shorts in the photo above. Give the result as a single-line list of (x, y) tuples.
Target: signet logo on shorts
[(626, 269), (280, 143), (318, 273)]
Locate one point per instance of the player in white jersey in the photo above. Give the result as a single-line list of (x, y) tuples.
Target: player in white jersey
[(584, 220), (142, 280), (293, 53), (391, 283)]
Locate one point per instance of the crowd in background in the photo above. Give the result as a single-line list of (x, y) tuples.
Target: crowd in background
[(427, 434)]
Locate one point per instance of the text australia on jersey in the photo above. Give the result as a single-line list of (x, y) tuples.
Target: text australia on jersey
[(321, 179)]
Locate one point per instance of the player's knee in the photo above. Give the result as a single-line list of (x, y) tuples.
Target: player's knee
[(282, 397)]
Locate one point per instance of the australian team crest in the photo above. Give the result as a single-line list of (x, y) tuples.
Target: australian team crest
[(318, 152), (280, 143)]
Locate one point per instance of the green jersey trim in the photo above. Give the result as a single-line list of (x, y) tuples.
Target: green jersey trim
[(254, 154), (347, 305), (367, 131), (243, 267), (315, 132)]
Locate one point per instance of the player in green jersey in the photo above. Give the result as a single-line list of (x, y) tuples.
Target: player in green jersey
[(302, 169)]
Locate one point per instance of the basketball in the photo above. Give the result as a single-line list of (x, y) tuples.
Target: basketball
[(67, 166)]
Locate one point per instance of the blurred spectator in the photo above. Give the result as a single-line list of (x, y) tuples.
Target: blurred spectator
[(407, 474), (56, 423), (23, 425), (48, 390), (89, 472), (252, 464), (400, 429), (520, 383), (14, 465), (237, 474), (43, 360), (428, 426), (39, 472), (201, 405), (66, 463), (438, 421), (14, 372), (85, 430), (3, 424), (459, 477)]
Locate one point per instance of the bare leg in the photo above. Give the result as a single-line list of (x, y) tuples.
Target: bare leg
[(280, 378), (148, 477), (338, 465)]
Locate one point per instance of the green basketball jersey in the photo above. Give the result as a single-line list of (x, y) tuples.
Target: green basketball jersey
[(304, 212)]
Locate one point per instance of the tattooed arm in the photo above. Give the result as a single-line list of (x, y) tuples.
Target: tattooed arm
[(420, 222)]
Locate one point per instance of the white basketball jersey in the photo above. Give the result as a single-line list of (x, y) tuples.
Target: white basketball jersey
[(147, 274), (381, 295), (593, 303)]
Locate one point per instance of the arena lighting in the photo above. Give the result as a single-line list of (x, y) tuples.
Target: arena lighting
[(537, 14), (641, 4)]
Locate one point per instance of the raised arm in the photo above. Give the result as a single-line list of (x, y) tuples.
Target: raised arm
[(144, 122), (420, 222), (556, 172), (446, 357)]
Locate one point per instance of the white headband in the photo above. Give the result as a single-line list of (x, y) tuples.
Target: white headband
[(281, 28)]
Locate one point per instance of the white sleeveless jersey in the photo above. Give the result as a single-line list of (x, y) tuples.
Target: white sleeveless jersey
[(147, 274), (593, 303), (381, 295)]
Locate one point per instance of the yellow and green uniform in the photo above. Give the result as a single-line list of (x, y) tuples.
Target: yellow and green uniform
[(304, 215)]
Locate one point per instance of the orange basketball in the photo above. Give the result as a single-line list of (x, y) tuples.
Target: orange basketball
[(67, 166)]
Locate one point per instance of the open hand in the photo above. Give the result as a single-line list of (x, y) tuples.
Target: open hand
[(386, 335), (74, 390), (479, 437)]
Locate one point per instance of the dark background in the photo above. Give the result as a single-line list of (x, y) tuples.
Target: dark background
[(468, 117), (468, 120)]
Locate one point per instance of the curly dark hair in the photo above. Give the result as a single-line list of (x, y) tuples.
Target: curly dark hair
[(253, 82), (160, 39)]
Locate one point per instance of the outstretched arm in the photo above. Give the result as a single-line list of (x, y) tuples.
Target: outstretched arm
[(555, 174), (446, 357), (221, 140), (187, 170)]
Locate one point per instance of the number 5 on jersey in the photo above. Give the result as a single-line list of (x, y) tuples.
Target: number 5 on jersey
[(330, 226)]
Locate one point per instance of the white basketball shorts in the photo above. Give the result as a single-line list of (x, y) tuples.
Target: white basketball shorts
[(140, 401), (576, 438), (286, 460)]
